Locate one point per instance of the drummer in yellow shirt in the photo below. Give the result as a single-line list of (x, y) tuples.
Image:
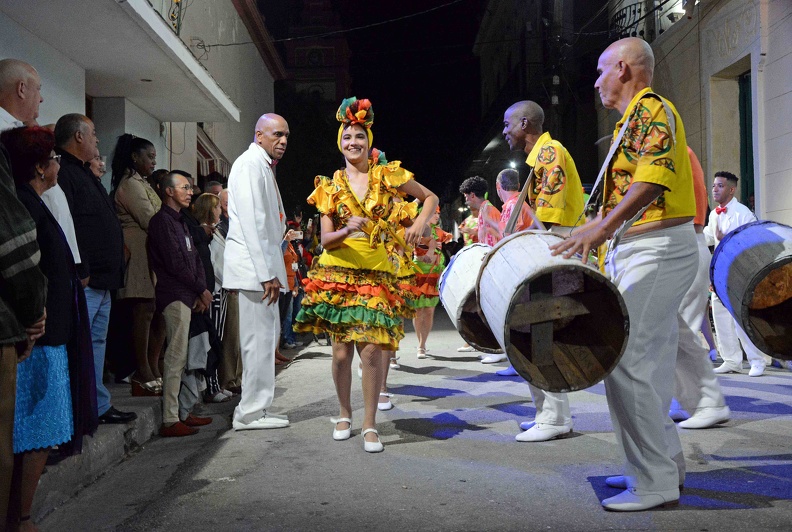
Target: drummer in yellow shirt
[(556, 195)]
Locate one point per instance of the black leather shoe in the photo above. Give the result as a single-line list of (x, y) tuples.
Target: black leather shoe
[(116, 416)]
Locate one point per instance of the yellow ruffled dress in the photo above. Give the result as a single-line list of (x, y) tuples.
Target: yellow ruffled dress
[(352, 293)]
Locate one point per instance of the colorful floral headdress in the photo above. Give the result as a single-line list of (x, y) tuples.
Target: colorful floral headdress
[(377, 157), (354, 111)]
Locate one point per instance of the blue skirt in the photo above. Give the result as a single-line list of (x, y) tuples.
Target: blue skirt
[(43, 415)]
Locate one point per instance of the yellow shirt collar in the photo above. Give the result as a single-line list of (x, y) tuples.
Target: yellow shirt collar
[(631, 106), (541, 141)]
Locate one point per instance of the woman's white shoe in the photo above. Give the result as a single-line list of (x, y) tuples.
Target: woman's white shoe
[(372, 446), (421, 353), (387, 405), (344, 434), (394, 364)]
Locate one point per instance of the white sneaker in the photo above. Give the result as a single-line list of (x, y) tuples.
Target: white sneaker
[(727, 368), (545, 432), (704, 418), (264, 422), (757, 370), (495, 357)]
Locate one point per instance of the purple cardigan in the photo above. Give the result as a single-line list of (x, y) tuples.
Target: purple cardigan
[(174, 259)]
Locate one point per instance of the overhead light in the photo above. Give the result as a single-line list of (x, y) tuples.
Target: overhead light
[(462, 209), (513, 164)]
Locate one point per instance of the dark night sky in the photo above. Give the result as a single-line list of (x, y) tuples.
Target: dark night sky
[(424, 82), (420, 74), (423, 79)]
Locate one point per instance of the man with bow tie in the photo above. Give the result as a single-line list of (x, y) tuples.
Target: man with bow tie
[(728, 216), (253, 266)]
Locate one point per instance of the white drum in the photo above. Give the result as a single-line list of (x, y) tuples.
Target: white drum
[(458, 294), (563, 324)]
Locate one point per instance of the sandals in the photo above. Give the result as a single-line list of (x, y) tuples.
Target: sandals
[(393, 363), (146, 389), (421, 353), (344, 434), (372, 446)]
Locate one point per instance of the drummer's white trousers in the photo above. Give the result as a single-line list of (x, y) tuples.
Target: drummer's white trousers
[(696, 383), (551, 408), (653, 272)]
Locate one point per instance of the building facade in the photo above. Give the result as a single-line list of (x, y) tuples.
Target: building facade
[(728, 70), (192, 80)]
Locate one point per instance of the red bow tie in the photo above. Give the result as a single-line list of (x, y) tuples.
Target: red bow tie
[(719, 210)]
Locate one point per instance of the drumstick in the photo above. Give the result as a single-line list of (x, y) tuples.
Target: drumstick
[(515, 215)]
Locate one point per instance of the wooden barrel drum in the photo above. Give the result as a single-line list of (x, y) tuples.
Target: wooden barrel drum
[(563, 325), (457, 289), (751, 272)]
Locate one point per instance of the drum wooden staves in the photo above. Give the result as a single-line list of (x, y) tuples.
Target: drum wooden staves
[(457, 289), (751, 272), (563, 325)]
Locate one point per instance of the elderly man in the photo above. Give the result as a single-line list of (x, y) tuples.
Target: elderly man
[(725, 218), (22, 298), (253, 266), (648, 191), (99, 237), (556, 195), (181, 289), (20, 96)]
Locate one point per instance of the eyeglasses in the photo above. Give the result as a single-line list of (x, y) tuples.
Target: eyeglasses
[(184, 187), (56, 158)]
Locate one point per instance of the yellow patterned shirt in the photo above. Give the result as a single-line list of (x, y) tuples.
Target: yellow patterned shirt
[(556, 193), (649, 153)]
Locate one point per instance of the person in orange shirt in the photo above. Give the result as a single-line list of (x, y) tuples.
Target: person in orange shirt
[(475, 191), (697, 388)]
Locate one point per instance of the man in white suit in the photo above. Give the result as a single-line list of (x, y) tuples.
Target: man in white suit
[(725, 218), (253, 266)]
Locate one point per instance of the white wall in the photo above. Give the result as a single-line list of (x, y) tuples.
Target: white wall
[(775, 89), (183, 141), (62, 80), (698, 61), (239, 70), (115, 116)]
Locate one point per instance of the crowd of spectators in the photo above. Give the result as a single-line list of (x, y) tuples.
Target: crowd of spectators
[(138, 268)]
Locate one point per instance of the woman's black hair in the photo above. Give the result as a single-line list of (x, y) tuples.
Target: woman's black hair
[(122, 157)]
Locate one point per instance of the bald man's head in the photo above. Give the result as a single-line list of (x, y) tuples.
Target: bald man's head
[(521, 120), (625, 68), (272, 134), (20, 89), (637, 54)]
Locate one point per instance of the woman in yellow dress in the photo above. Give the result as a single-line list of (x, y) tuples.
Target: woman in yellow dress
[(352, 293)]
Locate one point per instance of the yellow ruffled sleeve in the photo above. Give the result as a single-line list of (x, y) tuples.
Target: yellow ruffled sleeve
[(394, 176), (324, 195), (403, 210)]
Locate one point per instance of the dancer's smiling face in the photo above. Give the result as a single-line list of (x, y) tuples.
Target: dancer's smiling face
[(354, 143)]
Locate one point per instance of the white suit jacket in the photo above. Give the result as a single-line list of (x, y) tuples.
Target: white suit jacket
[(736, 215), (256, 224)]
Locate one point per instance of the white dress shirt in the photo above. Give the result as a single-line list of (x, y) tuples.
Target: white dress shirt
[(735, 216), (54, 198), (257, 222)]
